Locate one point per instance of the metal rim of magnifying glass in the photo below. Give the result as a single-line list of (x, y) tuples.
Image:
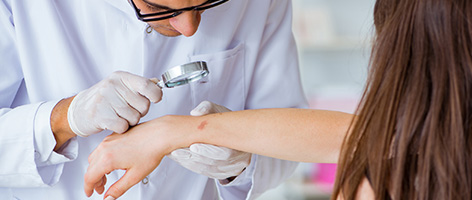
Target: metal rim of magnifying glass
[(183, 74)]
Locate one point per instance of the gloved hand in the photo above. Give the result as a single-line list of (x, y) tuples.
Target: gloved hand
[(209, 160), (114, 103)]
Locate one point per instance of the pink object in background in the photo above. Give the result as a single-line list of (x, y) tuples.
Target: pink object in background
[(323, 174)]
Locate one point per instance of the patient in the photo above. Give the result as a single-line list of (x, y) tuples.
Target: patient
[(410, 138)]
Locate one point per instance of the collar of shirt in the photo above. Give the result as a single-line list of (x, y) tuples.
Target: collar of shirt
[(123, 5)]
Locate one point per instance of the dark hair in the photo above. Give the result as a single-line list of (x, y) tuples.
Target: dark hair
[(412, 133)]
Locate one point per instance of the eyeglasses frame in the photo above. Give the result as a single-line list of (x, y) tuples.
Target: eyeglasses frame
[(175, 12)]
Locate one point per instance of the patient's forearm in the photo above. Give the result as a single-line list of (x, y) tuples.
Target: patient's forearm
[(292, 134)]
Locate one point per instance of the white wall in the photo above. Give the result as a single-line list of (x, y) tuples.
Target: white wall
[(333, 37)]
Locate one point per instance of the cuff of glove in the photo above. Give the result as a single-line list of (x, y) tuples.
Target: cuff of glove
[(230, 179), (243, 178)]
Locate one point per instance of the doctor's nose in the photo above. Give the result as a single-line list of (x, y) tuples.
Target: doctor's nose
[(186, 23)]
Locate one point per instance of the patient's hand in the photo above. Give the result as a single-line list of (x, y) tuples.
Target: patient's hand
[(138, 151)]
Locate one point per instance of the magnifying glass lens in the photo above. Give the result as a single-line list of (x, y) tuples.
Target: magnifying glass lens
[(183, 74), (186, 78)]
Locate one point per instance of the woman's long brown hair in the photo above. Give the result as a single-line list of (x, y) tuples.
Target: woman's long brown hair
[(413, 130)]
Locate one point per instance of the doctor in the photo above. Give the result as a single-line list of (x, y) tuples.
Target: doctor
[(82, 67)]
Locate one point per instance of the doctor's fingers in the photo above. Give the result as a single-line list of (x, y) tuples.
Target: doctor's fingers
[(207, 107), (216, 170), (234, 168), (196, 159), (219, 109), (142, 86), (135, 100), (207, 154), (214, 152), (131, 115), (190, 160), (185, 155), (116, 124), (182, 153)]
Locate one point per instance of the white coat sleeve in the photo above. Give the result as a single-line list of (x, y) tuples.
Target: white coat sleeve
[(26, 139), (275, 84)]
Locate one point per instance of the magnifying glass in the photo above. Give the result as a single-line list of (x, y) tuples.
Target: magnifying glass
[(183, 74)]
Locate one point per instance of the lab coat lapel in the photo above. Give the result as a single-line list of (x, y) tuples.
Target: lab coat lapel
[(122, 5)]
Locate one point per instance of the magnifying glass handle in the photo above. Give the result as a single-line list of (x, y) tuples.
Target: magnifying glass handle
[(161, 84)]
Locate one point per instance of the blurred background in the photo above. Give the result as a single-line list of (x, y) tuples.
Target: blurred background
[(333, 38)]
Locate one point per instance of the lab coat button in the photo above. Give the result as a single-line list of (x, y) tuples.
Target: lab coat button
[(145, 180), (149, 30)]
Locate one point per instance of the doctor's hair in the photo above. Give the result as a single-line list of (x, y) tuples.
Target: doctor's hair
[(412, 135)]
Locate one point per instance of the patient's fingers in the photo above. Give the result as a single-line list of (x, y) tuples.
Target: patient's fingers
[(100, 187), (94, 177), (130, 178)]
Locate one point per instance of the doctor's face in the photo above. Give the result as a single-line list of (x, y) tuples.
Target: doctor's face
[(186, 23)]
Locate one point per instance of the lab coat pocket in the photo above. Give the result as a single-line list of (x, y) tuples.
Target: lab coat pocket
[(225, 84)]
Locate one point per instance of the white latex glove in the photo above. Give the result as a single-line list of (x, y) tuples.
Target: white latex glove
[(209, 160), (114, 103)]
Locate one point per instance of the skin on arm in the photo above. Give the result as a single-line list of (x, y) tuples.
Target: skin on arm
[(302, 135), (291, 134)]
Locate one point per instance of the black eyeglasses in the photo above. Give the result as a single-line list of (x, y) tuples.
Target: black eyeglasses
[(172, 13)]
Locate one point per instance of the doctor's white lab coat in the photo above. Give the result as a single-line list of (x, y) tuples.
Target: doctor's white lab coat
[(53, 49)]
